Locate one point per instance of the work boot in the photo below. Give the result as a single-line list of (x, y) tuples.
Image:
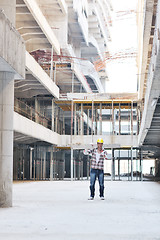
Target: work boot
[(90, 198), (102, 198)]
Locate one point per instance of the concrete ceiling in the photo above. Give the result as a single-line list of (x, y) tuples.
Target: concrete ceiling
[(36, 39)]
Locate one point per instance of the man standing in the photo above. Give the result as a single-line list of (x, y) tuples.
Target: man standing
[(98, 155)]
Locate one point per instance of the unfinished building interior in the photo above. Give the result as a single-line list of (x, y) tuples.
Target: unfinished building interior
[(54, 102)]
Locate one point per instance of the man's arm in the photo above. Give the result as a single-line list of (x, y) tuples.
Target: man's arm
[(87, 151), (105, 155)]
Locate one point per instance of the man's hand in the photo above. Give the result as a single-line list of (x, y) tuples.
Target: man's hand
[(85, 152)]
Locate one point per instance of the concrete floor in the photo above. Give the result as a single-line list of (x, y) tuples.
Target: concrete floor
[(61, 211)]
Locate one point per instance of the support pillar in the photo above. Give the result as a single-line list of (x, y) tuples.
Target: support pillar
[(113, 166), (44, 164), (140, 163), (63, 123), (51, 163), (15, 163), (6, 137), (81, 169), (31, 160)]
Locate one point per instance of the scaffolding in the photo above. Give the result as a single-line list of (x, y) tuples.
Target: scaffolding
[(102, 117)]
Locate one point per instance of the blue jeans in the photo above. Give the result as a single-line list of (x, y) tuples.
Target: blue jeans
[(94, 173)]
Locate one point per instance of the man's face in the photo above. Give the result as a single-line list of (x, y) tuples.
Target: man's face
[(99, 145)]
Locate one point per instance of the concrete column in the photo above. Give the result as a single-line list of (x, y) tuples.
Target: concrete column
[(6, 137), (51, 163), (15, 163), (54, 164), (81, 170), (140, 165), (31, 159), (71, 164), (113, 166), (63, 123), (44, 164), (64, 160), (9, 7)]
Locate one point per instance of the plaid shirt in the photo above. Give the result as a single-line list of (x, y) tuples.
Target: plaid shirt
[(103, 156)]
